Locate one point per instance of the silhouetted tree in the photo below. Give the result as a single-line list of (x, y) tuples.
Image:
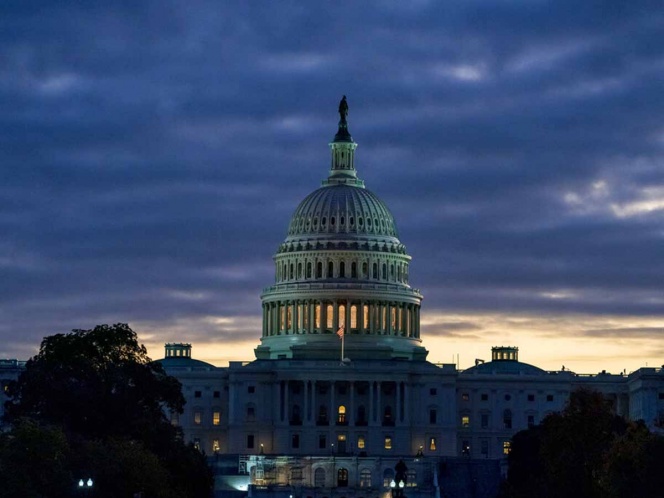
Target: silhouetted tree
[(108, 398), (565, 455)]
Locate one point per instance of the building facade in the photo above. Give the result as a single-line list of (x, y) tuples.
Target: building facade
[(340, 395)]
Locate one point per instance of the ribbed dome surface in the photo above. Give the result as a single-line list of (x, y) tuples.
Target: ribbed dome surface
[(342, 209)]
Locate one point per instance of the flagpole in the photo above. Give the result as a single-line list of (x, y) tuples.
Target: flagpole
[(343, 338)]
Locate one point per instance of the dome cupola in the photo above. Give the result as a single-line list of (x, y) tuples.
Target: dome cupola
[(341, 266)]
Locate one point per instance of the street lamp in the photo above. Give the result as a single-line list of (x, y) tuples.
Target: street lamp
[(85, 485)]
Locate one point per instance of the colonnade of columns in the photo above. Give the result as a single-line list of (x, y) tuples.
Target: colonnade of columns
[(309, 316), (300, 402)]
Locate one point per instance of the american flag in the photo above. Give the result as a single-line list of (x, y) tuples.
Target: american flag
[(340, 332)]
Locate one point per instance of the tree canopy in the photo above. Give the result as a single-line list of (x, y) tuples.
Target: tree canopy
[(586, 450), (99, 390)]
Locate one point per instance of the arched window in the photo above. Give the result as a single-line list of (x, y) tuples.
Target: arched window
[(308, 270), (384, 275), (319, 269), (319, 477), (365, 270), (353, 316), (374, 271), (317, 316), (291, 271), (330, 269), (342, 315), (353, 270), (330, 316), (507, 419), (299, 270), (365, 478), (342, 270), (341, 414), (342, 478)]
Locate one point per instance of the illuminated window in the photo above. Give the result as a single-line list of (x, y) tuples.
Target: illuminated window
[(289, 317), (365, 478), (317, 316), (282, 322), (388, 477), (393, 318), (216, 418), (365, 316), (330, 316), (388, 443), (465, 420), (197, 417), (353, 317), (432, 444), (411, 479), (360, 442), (304, 317), (342, 477), (341, 416), (507, 447), (342, 315), (215, 446)]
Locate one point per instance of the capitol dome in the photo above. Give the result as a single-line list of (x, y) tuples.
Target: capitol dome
[(341, 270)]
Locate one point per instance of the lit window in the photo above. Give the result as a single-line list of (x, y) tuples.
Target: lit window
[(330, 316), (317, 316), (197, 417), (353, 317), (360, 442), (289, 317), (411, 479), (432, 444), (342, 315), (465, 421), (216, 418), (365, 316), (507, 447), (388, 442), (341, 417), (215, 446)]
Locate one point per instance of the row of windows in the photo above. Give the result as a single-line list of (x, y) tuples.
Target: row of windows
[(507, 397), (507, 420), (334, 223), (199, 394), (374, 317), (294, 270), (505, 447)]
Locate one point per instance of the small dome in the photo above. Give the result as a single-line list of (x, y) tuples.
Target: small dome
[(341, 208), (504, 367)]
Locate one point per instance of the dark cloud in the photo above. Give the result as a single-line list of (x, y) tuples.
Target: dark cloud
[(151, 154)]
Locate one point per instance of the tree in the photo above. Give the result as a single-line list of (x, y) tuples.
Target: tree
[(565, 455), (109, 400), (633, 464)]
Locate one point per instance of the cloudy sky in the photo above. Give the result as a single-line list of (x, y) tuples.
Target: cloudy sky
[(151, 154)]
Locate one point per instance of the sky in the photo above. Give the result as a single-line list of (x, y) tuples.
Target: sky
[(152, 153)]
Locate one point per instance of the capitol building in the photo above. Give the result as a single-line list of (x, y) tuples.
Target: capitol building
[(341, 400)]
